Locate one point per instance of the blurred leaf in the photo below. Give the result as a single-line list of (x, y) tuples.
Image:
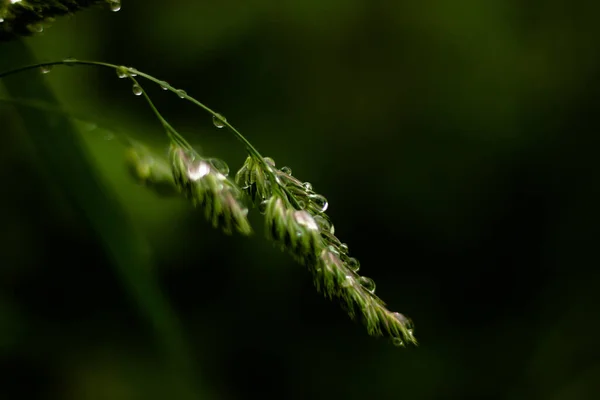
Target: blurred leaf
[(68, 165)]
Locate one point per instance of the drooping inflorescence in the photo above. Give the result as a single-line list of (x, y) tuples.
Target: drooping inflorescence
[(150, 170), (205, 182), (295, 215), (295, 219)]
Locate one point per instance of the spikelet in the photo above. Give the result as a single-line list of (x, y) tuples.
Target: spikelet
[(150, 170), (308, 235), (207, 186)]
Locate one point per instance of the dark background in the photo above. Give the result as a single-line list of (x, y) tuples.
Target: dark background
[(457, 144)]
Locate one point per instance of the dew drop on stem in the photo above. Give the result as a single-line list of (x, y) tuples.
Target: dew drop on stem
[(262, 207), (219, 165), (352, 263), (269, 161), (44, 69), (319, 202), (181, 93), (198, 169), (405, 321), (367, 283), (219, 120), (286, 170), (122, 72), (397, 342), (137, 89), (36, 28), (115, 5), (324, 223)]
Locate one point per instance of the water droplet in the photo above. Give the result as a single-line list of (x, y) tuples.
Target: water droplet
[(269, 161), (307, 186), (292, 183), (14, 1), (286, 170), (137, 89), (397, 342), (181, 93), (37, 28), (164, 85), (301, 204), (344, 248), (219, 165), (115, 5), (198, 170), (400, 317), (44, 69), (1, 20), (70, 61), (219, 121), (132, 71), (367, 283), (329, 237), (324, 223), (122, 72), (353, 264), (407, 322), (320, 203), (262, 206)]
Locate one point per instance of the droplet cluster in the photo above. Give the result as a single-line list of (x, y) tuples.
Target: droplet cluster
[(297, 221), (205, 182)]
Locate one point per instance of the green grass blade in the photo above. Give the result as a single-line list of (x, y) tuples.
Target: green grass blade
[(58, 145)]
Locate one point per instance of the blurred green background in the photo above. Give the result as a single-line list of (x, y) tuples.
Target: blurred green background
[(456, 142)]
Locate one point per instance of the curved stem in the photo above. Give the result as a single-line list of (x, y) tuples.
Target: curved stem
[(22, 19), (171, 132)]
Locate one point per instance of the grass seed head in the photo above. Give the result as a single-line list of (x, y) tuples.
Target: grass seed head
[(150, 170), (206, 186), (308, 235)]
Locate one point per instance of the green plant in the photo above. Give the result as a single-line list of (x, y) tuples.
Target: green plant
[(295, 215), (22, 18)]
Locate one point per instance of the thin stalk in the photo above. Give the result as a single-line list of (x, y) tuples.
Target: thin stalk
[(170, 130)]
